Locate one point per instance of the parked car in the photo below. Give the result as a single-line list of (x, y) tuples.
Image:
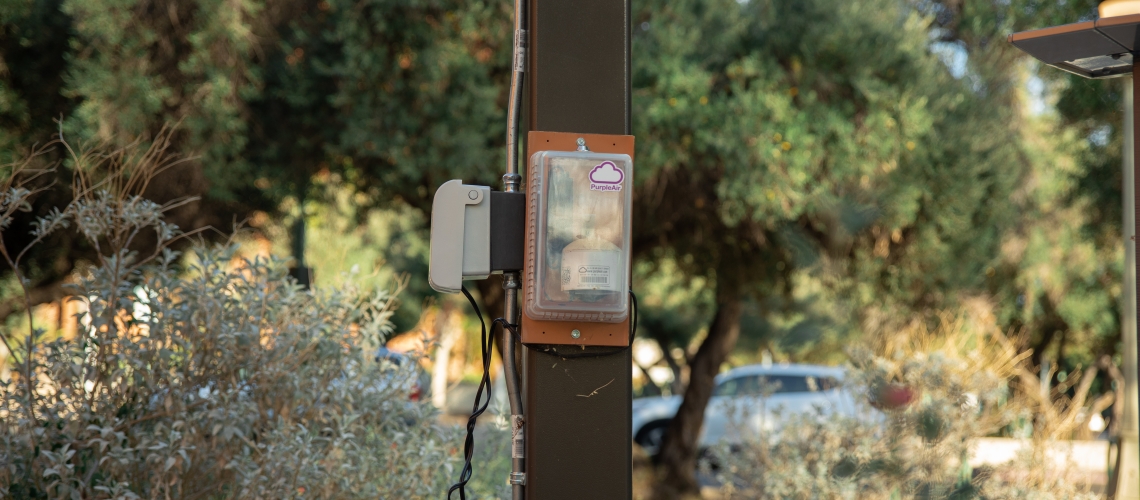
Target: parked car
[(749, 398), (402, 371)]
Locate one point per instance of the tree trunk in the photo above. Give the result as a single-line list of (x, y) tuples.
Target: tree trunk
[(1114, 375), (1049, 327), (447, 331), (679, 450), (1060, 359), (678, 384), (650, 388)]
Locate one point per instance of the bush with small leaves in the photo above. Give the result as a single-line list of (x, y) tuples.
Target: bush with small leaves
[(925, 398), (201, 376)]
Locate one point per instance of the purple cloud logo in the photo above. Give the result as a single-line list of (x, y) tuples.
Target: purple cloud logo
[(606, 177), (606, 173)]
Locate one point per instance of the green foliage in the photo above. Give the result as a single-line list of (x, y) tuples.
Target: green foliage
[(842, 166), (397, 96), (423, 107), (221, 378), (795, 132), (492, 462), (34, 46), (380, 248), (849, 163), (671, 308), (777, 137), (137, 67), (1059, 272), (108, 72)]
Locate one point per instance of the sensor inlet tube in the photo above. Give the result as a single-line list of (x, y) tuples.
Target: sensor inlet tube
[(514, 106), (517, 478), (511, 283)]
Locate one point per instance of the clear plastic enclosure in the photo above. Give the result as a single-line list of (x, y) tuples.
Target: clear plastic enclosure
[(579, 252)]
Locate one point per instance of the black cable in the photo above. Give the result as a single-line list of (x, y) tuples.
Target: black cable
[(514, 329), (487, 349), (487, 346), (632, 312)]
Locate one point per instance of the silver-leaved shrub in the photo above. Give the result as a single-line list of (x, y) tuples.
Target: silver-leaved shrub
[(200, 376), (923, 399)]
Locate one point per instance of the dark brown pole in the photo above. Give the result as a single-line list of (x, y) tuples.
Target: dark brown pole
[(578, 447)]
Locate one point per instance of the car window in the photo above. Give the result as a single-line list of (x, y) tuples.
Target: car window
[(389, 360), (757, 385), (787, 384), (828, 383), (727, 388)]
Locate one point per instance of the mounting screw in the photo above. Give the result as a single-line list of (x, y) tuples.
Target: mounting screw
[(473, 194), (582, 145), (575, 333)]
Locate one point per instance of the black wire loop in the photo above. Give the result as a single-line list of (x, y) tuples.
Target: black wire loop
[(487, 343), (600, 352), (487, 349), (632, 312)]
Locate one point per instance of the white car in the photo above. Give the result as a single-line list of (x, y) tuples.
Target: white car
[(748, 399)]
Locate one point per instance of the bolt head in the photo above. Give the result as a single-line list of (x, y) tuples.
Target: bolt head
[(581, 141), (473, 194), (575, 333)]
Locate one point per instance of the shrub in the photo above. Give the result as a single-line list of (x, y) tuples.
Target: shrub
[(206, 376), (934, 394)]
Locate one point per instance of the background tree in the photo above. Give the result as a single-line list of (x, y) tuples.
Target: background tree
[(395, 97), (108, 72), (404, 95), (809, 140), (1069, 208)]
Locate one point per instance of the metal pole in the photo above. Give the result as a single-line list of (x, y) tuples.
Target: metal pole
[(300, 270), (1127, 467), (511, 180), (517, 479), (514, 106), (578, 445)]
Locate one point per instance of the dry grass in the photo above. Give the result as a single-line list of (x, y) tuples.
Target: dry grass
[(966, 379)]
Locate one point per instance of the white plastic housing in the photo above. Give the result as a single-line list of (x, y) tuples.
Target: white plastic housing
[(579, 240), (460, 235)]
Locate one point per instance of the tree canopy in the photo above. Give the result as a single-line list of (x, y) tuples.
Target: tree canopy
[(877, 152), (393, 96), (807, 171)]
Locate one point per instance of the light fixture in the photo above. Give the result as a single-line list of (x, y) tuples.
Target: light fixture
[(1092, 49), (1113, 8)]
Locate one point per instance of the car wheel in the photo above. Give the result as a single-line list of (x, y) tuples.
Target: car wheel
[(651, 436)]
